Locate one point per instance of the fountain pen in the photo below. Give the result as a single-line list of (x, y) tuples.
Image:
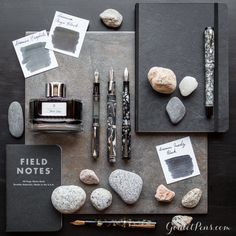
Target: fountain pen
[(209, 46), (96, 111), (111, 118), (126, 126)]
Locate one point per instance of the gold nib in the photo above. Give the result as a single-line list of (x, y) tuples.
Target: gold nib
[(78, 222)]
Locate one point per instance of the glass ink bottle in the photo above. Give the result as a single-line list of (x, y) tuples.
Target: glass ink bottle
[(55, 113)]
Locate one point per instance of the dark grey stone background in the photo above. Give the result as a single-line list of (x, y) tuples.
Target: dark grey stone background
[(98, 52)]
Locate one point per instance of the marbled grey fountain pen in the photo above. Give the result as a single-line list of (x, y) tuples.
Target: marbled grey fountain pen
[(209, 46), (111, 118), (126, 126)]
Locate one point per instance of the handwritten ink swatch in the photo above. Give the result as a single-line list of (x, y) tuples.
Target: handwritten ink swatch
[(178, 160)]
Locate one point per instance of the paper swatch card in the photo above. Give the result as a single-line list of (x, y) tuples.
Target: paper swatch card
[(178, 160), (34, 58), (67, 34)]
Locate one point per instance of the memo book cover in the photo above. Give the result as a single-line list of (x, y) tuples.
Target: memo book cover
[(32, 173)]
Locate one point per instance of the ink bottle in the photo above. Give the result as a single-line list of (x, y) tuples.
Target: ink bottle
[(55, 113)]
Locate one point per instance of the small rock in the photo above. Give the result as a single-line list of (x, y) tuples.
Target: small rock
[(15, 120), (111, 18), (127, 185), (68, 199), (192, 198), (164, 194), (88, 177), (180, 222), (162, 80), (176, 110), (187, 85), (101, 198)]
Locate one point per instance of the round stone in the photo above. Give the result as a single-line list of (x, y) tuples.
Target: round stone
[(126, 184), (187, 85), (192, 198), (111, 18), (162, 80), (15, 119), (88, 177), (101, 198), (68, 199)]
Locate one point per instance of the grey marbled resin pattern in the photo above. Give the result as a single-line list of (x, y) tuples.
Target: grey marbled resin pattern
[(126, 124), (209, 65)]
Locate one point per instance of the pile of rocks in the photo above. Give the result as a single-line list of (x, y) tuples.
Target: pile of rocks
[(163, 80), (69, 199)]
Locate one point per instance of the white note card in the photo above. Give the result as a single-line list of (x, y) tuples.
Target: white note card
[(67, 34), (178, 160), (34, 58)]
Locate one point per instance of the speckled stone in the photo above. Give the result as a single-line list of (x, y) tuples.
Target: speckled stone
[(176, 110), (192, 198), (180, 222), (111, 18), (126, 184), (15, 119), (101, 198), (163, 194), (88, 177), (68, 199)]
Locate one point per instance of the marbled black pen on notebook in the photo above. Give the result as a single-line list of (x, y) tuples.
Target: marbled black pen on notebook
[(209, 46), (111, 118), (126, 125)]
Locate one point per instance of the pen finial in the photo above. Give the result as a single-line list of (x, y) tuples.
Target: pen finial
[(96, 76), (126, 74)]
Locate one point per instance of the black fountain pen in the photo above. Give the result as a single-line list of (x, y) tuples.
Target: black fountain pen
[(111, 118), (126, 126), (96, 111)]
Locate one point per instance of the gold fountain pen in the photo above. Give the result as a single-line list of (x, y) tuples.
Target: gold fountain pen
[(143, 224)]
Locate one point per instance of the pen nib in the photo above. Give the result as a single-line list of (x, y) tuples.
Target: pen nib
[(126, 74), (96, 76)]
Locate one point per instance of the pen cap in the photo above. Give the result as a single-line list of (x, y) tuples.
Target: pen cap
[(55, 89)]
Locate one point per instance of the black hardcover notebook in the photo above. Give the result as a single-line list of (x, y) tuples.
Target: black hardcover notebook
[(32, 173), (170, 35)]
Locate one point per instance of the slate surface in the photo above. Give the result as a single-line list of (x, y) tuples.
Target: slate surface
[(171, 36), (102, 50)]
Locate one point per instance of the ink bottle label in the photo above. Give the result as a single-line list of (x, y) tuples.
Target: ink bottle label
[(54, 109)]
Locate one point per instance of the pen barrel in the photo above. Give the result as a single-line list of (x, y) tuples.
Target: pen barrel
[(95, 141), (126, 125), (209, 46), (111, 128), (95, 126)]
